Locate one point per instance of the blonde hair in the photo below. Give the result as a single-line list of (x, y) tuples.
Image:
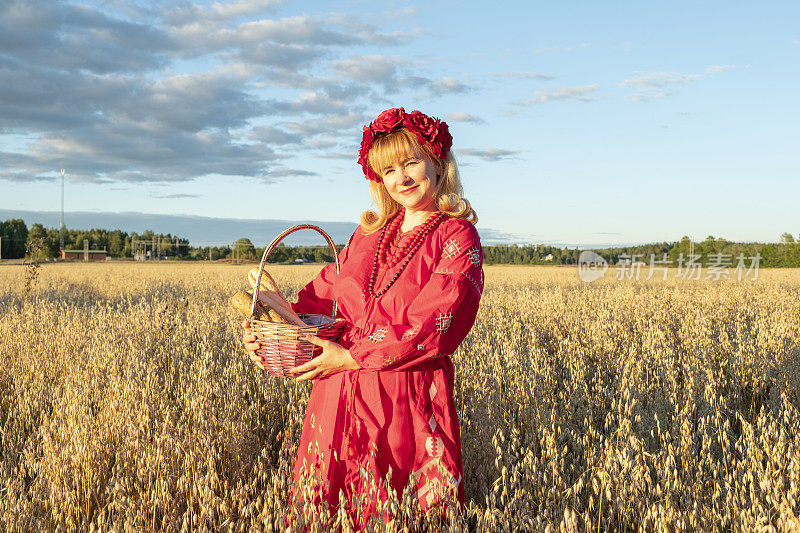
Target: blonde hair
[(448, 194)]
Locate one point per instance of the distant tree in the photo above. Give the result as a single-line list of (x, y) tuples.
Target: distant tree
[(216, 252), (282, 254), (787, 238), (38, 234), (14, 233), (323, 256), (116, 243), (245, 249)]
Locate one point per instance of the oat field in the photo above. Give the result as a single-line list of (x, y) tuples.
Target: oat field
[(127, 404)]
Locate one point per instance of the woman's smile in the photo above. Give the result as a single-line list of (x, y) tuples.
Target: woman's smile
[(411, 181)]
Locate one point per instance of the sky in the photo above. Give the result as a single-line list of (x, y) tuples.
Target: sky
[(574, 123)]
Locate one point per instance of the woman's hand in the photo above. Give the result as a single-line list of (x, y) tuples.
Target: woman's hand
[(251, 345), (334, 358)]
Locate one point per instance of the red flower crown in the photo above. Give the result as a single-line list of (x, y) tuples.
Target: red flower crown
[(429, 130)]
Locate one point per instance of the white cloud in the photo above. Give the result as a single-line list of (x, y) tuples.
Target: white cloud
[(393, 74), (227, 10), (406, 12), (77, 37), (315, 103), (643, 97), (581, 93), (117, 92), (283, 172), (174, 196), (716, 69), (651, 84), (449, 85), (655, 80), (488, 154), (524, 75), (370, 69), (291, 30), (218, 11), (273, 135), (460, 116), (331, 125)]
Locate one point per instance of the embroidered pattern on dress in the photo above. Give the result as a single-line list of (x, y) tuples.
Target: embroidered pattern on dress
[(443, 322), (451, 249), (411, 332), (390, 359), (475, 284), (432, 424), (432, 391), (474, 255), (378, 335), (440, 484), (434, 446)]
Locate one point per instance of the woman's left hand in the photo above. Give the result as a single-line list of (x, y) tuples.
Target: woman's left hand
[(334, 358)]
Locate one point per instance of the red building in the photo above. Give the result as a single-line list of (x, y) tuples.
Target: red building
[(83, 255)]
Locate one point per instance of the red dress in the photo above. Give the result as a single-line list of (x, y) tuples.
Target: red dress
[(400, 403)]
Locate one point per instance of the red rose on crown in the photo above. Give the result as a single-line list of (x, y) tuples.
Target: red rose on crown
[(366, 142), (428, 130), (424, 126), (388, 120), (443, 142)]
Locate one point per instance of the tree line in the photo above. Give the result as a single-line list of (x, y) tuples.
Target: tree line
[(16, 238), (711, 250)]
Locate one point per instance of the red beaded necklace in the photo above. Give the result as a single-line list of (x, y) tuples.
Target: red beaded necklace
[(393, 251), (408, 250)]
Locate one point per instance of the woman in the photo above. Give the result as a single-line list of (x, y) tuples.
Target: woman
[(409, 287)]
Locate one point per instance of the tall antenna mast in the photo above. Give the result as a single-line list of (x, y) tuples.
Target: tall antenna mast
[(62, 209)]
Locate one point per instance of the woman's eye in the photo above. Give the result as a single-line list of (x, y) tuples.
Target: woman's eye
[(412, 162)]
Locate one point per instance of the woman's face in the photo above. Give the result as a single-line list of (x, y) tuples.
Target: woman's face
[(411, 181)]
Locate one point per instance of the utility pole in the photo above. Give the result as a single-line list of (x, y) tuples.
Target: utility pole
[(62, 209)]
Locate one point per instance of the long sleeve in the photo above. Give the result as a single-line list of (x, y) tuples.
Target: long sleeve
[(317, 296), (440, 315)]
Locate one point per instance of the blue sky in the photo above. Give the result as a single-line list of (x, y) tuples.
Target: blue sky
[(574, 122)]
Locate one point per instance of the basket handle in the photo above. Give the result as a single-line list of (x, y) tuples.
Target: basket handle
[(268, 250)]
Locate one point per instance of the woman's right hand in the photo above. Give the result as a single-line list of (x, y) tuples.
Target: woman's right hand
[(251, 345)]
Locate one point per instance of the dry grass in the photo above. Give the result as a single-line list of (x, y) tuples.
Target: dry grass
[(126, 403)]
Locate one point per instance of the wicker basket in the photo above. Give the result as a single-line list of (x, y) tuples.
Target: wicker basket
[(281, 347)]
